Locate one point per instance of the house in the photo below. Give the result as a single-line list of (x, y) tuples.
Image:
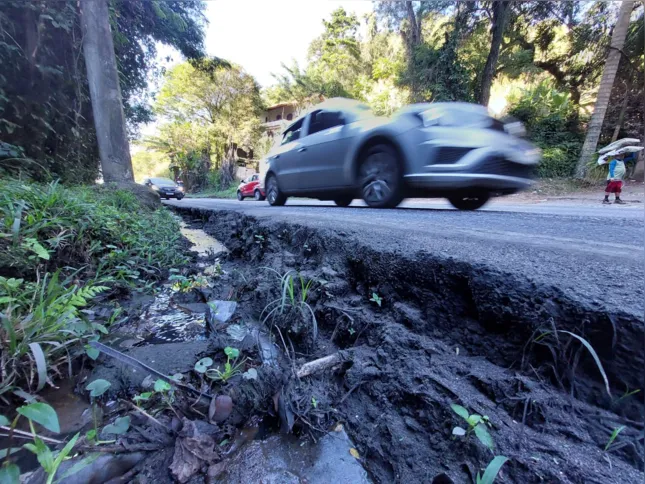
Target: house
[(278, 116)]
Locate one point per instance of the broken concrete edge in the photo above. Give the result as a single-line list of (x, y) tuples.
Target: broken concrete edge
[(508, 304)]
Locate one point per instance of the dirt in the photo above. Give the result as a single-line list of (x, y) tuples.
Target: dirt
[(444, 332)]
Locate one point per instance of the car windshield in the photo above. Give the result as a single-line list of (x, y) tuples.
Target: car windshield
[(162, 181)]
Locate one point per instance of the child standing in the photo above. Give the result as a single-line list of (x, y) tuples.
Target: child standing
[(615, 179)]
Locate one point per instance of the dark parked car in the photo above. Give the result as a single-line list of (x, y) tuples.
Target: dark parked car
[(250, 187), (165, 187), (341, 151)]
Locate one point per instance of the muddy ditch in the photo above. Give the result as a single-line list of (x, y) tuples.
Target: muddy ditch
[(417, 334)]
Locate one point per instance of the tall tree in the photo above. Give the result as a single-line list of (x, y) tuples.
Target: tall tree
[(501, 11), (105, 92), (594, 127)]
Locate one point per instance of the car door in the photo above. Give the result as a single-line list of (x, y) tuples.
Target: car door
[(254, 181), (324, 148), (285, 159)]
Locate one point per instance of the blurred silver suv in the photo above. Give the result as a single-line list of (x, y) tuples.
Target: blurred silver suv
[(340, 151)]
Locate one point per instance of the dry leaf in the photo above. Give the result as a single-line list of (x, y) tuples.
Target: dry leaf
[(354, 453), (338, 428)]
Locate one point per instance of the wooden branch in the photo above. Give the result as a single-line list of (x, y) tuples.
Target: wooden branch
[(320, 364)]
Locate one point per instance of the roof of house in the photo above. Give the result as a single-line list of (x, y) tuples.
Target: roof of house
[(281, 105)]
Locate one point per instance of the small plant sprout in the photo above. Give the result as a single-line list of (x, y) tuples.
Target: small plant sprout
[(314, 402), (187, 284), (476, 423), (351, 331), (492, 470), (377, 299), (231, 368), (613, 436), (259, 239), (96, 388)]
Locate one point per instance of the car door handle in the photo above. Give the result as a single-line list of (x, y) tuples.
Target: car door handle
[(275, 157), (302, 150)]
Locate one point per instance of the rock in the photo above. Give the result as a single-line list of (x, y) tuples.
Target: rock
[(219, 312), (220, 408), (193, 307), (328, 273), (104, 468)]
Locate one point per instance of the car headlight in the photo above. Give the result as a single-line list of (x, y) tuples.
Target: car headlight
[(154, 187), (181, 189)]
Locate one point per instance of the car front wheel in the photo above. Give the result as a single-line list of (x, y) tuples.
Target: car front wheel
[(469, 202), (381, 178), (240, 197), (179, 197), (343, 202), (275, 197)]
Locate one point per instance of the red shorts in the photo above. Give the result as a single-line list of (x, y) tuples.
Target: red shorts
[(614, 186)]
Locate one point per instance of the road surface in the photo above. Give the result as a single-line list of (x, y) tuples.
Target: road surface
[(592, 252)]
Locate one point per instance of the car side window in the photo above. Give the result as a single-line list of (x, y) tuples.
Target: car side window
[(293, 133), (254, 178), (322, 120)]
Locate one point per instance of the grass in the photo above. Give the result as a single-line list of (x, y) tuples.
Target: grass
[(61, 248), (230, 192)]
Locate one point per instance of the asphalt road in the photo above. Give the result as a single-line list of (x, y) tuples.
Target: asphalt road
[(592, 252)]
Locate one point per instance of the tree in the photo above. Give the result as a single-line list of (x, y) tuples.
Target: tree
[(105, 92), (500, 15), (209, 113), (606, 85)]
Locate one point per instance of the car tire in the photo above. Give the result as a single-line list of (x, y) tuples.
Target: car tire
[(179, 197), (240, 197), (258, 196), (381, 177), (274, 196), (469, 202), (343, 202)]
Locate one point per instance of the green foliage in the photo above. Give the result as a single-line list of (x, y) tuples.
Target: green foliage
[(476, 423), (377, 299), (42, 414), (93, 237), (492, 470), (45, 109), (98, 387), (186, 284), (613, 436), (231, 368)]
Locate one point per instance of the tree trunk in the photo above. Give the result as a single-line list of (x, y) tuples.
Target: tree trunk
[(500, 14), (604, 92), (105, 92), (621, 115)]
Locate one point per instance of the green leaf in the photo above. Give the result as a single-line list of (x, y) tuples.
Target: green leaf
[(41, 364), (144, 397), (100, 328), (474, 419), (593, 354), (120, 426), (614, 434), (162, 386), (34, 246), (92, 352), (98, 387), (202, 365), (10, 474), (90, 434), (4, 420), (61, 455), (7, 299), (42, 414), (492, 470), (459, 410), (82, 464), (484, 437), (231, 352)]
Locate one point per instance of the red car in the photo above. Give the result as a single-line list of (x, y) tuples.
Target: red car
[(251, 188)]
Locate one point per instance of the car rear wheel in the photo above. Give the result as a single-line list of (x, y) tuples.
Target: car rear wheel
[(240, 197), (275, 197), (469, 202), (381, 177), (343, 202), (258, 196)]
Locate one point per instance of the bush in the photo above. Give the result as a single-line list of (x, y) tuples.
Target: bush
[(59, 249)]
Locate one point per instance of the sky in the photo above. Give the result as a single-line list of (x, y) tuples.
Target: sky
[(259, 35)]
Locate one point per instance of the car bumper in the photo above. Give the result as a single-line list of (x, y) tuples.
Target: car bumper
[(458, 181), (170, 194)]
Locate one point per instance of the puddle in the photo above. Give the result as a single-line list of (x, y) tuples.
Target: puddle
[(204, 244)]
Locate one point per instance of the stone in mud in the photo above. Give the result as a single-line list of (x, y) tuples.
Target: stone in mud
[(169, 358), (287, 459), (219, 312)]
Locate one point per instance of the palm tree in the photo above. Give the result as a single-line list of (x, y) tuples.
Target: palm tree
[(606, 84)]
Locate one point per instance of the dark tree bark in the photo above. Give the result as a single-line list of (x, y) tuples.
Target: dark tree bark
[(500, 15), (105, 92)]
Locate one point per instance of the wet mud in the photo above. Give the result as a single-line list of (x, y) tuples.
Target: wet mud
[(416, 335)]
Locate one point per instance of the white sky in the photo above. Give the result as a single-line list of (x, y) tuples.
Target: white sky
[(259, 35)]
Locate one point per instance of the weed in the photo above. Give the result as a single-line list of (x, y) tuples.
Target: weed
[(613, 436), (377, 299), (476, 423), (492, 470), (96, 388), (49, 460), (351, 331), (292, 298), (627, 394), (314, 402), (186, 284), (259, 239), (231, 368)]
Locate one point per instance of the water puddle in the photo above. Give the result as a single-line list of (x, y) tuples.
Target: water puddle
[(204, 244)]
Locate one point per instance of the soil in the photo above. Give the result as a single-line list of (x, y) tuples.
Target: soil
[(417, 335)]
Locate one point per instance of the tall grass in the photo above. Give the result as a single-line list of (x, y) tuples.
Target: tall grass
[(59, 249)]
